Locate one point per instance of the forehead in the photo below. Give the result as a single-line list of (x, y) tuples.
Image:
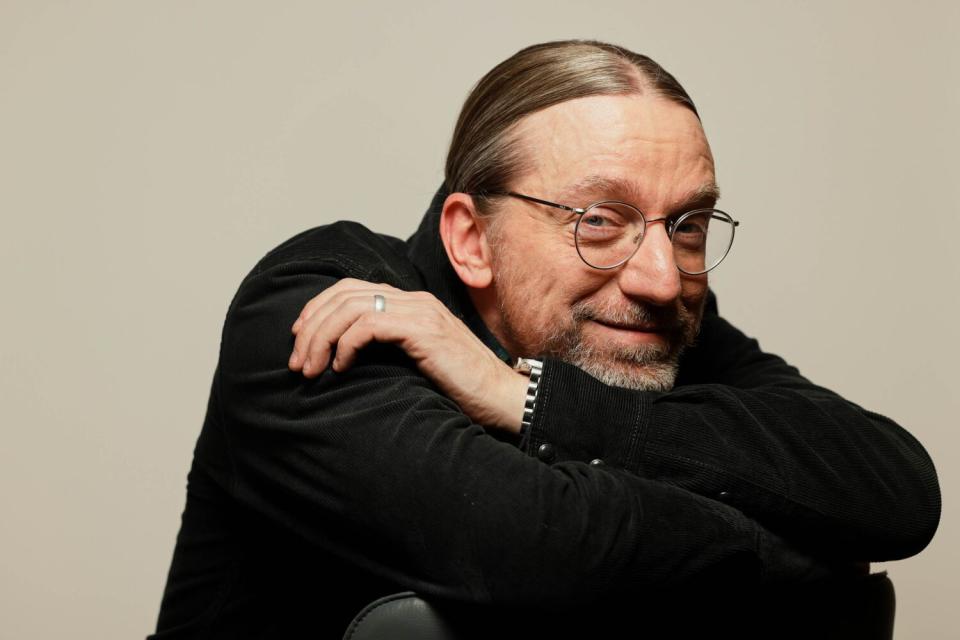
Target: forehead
[(649, 149)]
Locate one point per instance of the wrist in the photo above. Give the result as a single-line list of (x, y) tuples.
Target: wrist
[(531, 370), (513, 400)]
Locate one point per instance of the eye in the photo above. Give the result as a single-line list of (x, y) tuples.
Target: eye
[(595, 219), (607, 222), (689, 226), (690, 231), (607, 215)]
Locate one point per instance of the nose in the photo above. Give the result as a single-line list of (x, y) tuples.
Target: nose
[(651, 274)]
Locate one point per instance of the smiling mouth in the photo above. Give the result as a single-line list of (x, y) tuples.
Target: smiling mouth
[(631, 333), (630, 327)]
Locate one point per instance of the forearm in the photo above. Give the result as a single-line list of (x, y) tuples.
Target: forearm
[(742, 426), (434, 503), (378, 467), (797, 458)]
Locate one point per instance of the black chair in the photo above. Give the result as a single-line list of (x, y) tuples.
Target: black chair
[(852, 609), (400, 616)]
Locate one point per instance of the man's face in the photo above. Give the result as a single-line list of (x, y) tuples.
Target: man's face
[(626, 326)]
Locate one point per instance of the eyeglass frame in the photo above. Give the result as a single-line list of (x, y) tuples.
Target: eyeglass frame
[(669, 224)]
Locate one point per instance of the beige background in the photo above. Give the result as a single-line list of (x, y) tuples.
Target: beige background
[(150, 153)]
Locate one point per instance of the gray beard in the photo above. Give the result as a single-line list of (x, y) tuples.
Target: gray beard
[(642, 367)]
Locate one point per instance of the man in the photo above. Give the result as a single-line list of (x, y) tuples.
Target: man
[(648, 455)]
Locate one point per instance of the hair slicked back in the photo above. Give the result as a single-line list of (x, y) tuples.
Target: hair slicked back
[(484, 154)]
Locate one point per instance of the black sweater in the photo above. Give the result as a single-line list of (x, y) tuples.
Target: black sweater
[(309, 498)]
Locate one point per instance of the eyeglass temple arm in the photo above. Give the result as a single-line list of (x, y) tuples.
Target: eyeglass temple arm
[(736, 223), (538, 201)]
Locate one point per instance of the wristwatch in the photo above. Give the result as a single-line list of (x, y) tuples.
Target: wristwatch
[(532, 368)]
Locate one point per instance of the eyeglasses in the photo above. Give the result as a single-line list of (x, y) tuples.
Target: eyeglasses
[(608, 233)]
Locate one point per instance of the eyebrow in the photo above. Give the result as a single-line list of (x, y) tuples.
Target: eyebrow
[(707, 193)]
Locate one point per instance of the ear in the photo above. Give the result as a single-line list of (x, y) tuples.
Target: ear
[(465, 241)]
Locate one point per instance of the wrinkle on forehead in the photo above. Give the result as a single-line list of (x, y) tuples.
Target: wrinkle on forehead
[(643, 149), (629, 191)]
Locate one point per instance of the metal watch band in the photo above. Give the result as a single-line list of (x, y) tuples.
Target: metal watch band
[(534, 368)]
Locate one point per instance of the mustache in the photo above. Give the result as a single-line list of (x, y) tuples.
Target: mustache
[(673, 320)]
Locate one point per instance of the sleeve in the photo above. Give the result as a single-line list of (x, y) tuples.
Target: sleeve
[(378, 467), (751, 432)]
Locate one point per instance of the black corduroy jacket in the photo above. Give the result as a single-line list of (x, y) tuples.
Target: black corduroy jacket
[(309, 498)]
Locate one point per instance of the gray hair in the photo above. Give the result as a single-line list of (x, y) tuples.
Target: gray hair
[(484, 154)]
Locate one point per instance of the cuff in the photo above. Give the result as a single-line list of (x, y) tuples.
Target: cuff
[(577, 417)]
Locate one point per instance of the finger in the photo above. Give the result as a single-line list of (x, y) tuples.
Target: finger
[(326, 331), (346, 285), (418, 322), (323, 298), (307, 340), (373, 327), (321, 306), (305, 334)]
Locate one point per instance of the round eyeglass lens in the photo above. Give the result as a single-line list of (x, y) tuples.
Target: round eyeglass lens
[(608, 233), (701, 240)]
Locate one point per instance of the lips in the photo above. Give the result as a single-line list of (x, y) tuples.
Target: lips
[(631, 327), (639, 333)]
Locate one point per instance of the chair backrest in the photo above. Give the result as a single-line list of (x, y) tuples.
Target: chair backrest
[(858, 609), (400, 616)]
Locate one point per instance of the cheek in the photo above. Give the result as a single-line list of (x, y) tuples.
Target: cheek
[(554, 284), (550, 274), (575, 283), (693, 290), (548, 257)]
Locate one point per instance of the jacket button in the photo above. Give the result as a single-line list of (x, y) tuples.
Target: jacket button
[(545, 452), (724, 496), (596, 462)]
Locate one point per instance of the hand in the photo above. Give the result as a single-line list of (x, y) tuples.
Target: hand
[(445, 350)]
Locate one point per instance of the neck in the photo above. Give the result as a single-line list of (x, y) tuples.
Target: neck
[(486, 302)]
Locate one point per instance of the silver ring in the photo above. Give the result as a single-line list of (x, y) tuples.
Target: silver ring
[(379, 302)]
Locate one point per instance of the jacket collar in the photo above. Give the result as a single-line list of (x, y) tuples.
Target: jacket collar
[(425, 250)]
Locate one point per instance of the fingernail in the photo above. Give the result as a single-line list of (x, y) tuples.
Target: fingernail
[(306, 366), (296, 326), (293, 358)]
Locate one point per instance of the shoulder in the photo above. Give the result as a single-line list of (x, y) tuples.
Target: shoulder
[(270, 297), (343, 249)]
